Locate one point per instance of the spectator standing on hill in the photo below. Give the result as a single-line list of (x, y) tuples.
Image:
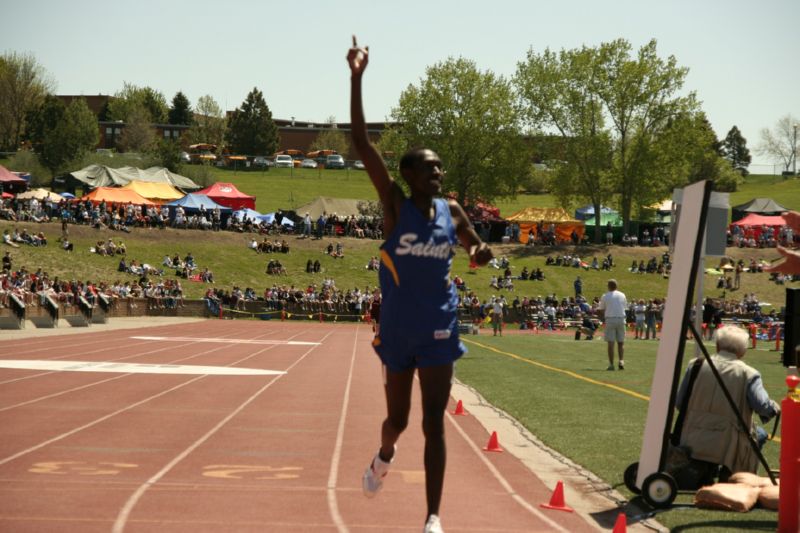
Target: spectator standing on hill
[(613, 305), (497, 316), (639, 313), (419, 330), (650, 318), (578, 284)]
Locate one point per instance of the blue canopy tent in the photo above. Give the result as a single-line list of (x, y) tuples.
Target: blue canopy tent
[(192, 202), (285, 221), (252, 214)]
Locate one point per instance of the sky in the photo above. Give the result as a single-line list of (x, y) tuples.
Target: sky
[(743, 55)]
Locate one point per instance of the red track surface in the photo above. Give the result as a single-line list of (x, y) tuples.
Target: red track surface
[(85, 452)]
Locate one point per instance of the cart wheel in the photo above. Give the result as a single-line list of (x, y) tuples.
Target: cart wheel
[(629, 477), (659, 490)]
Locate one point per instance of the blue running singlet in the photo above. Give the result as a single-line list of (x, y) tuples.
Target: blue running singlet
[(419, 322)]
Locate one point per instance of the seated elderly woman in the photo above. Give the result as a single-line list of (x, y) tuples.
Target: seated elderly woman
[(711, 431)]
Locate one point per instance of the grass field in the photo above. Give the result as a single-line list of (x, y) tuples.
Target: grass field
[(226, 254), (282, 188), (559, 389)]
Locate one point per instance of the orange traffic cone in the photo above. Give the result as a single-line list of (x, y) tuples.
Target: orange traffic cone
[(621, 525), (460, 409), (557, 500), (493, 445)]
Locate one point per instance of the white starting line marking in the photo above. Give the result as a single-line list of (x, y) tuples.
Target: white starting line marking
[(132, 368), (226, 341)]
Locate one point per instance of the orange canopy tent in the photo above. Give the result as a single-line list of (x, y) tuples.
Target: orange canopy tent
[(529, 217), (159, 193), (115, 195)]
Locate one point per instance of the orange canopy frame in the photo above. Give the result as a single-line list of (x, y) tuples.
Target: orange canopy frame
[(564, 224)]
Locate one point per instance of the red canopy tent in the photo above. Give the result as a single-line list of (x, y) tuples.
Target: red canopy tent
[(753, 224), (10, 182), (754, 219), (228, 195)]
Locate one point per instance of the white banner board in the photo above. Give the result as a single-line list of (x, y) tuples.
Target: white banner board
[(688, 241)]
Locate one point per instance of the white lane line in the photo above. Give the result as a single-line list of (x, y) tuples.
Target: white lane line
[(122, 517), (133, 356), (134, 368), (105, 343), (226, 341), (110, 415), (503, 482), (333, 503)]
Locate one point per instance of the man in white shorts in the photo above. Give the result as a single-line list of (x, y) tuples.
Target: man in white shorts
[(613, 305)]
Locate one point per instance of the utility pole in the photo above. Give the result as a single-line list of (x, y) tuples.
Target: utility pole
[(794, 154)]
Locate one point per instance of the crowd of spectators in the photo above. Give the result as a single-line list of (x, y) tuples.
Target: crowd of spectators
[(325, 298), (267, 246), (333, 225), (33, 288), (575, 261), (762, 236)]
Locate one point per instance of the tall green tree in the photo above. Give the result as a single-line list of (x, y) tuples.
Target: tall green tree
[(131, 98), (23, 86), (251, 130), (469, 118), (209, 124), (392, 145), (181, 110), (167, 152), (641, 94), (557, 92), (734, 149), (138, 134), (74, 135), (43, 118), (686, 151), (331, 138)]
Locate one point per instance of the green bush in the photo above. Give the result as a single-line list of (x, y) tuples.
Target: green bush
[(27, 161)]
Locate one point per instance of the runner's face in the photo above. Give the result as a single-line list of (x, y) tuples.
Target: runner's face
[(427, 176)]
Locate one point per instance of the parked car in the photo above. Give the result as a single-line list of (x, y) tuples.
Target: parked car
[(284, 161), (309, 163), (358, 164), (260, 161), (334, 161)]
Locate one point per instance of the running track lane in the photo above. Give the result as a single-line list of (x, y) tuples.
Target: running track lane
[(244, 453)]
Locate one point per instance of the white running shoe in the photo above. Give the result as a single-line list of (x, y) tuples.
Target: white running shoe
[(372, 481), (433, 525)]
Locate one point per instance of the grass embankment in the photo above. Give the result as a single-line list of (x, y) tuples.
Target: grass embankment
[(226, 254), (559, 389)]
